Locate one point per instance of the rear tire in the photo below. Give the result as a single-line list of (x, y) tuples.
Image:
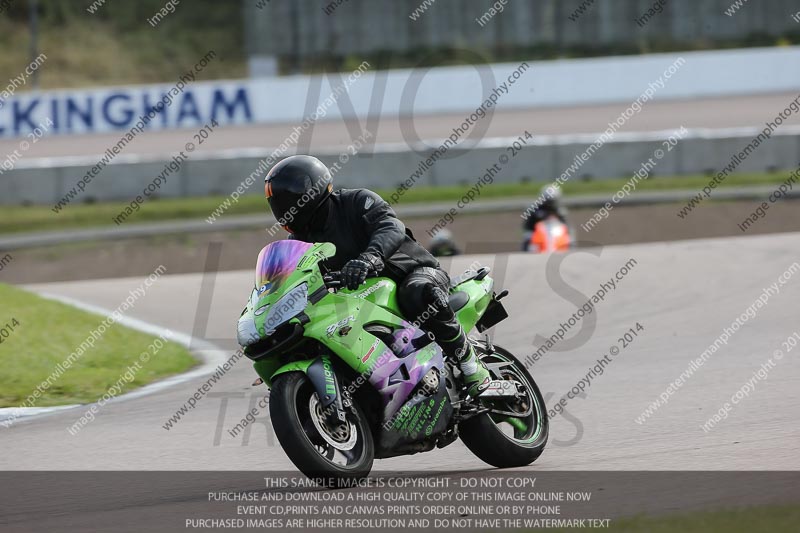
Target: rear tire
[(483, 435), (302, 440)]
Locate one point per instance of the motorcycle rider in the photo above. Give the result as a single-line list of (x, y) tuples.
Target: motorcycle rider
[(369, 238), (548, 204), (443, 245)]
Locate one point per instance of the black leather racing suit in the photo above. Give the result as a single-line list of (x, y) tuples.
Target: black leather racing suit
[(357, 221)]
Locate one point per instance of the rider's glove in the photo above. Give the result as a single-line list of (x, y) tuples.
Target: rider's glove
[(355, 271)]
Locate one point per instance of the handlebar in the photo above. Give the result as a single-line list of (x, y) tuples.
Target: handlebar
[(333, 279)]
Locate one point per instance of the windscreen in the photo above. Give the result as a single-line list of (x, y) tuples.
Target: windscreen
[(276, 262)]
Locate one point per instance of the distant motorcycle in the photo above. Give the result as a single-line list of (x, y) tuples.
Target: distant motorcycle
[(549, 235), (351, 380)]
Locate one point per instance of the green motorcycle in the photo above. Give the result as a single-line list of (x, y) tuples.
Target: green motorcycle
[(351, 380)]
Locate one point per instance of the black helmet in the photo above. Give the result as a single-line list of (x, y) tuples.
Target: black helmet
[(295, 188)]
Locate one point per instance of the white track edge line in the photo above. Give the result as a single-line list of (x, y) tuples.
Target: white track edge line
[(211, 355)]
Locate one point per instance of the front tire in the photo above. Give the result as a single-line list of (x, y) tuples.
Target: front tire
[(324, 454), (493, 438)]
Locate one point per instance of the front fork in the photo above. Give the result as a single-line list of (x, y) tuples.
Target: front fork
[(323, 378)]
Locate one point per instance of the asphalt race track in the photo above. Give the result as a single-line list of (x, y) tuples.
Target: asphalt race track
[(683, 294), (750, 110)]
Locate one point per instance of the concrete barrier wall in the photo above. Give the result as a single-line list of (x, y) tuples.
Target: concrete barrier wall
[(404, 92), (700, 151)]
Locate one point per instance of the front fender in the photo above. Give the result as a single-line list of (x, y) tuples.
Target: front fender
[(270, 367), (320, 373)]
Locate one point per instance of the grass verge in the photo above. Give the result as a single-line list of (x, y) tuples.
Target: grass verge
[(114, 45), (775, 519), (17, 219), (40, 334)]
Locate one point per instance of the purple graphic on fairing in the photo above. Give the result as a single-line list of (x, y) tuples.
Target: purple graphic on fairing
[(276, 262), (404, 339), (388, 377)]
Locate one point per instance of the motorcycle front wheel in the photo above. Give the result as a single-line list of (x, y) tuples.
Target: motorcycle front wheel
[(517, 437), (325, 453)]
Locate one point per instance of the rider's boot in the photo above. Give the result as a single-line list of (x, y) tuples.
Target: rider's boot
[(474, 373)]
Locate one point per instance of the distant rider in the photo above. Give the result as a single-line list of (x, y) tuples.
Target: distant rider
[(443, 245), (547, 205)]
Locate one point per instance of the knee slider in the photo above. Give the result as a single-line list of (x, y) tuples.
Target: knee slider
[(439, 298)]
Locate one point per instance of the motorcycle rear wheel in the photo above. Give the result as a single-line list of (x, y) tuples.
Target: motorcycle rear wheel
[(326, 455), (496, 439)]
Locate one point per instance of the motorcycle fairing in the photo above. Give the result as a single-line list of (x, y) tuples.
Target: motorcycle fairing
[(421, 417), (397, 373), (338, 320)]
